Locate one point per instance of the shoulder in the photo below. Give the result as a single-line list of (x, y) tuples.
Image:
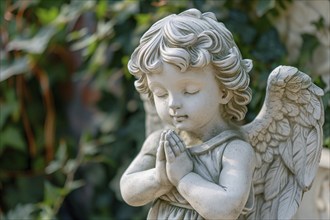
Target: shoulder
[(150, 145), (239, 146), (239, 150)]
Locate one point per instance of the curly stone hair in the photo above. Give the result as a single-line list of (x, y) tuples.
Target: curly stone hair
[(193, 39)]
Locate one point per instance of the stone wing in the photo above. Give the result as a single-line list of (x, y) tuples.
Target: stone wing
[(287, 138)]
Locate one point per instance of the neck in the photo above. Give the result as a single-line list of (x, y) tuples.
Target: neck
[(204, 134)]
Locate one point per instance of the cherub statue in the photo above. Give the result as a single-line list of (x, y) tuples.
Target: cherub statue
[(202, 164)]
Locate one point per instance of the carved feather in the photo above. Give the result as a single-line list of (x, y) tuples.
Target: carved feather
[(287, 138), (289, 200), (312, 159), (286, 152), (276, 179)]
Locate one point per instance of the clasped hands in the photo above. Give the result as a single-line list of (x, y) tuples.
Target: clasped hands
[(172, 160)]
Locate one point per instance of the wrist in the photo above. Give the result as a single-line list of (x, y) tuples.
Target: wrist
[(163, 187), (182, 179)]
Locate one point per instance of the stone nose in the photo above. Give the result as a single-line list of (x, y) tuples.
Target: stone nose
[(174, 103)]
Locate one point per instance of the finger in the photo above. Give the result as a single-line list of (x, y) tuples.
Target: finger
[(178, 142), (162, 136), (160, 150), (175, 148), (167, 134), (168, 152), (167, 137), (170, 139)]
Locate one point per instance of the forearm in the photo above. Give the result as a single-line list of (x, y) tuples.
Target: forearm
[(141, 187), (210, 200)]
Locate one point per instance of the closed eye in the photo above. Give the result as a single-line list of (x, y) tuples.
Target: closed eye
[(161, 95), (159, 92), (191, 92)]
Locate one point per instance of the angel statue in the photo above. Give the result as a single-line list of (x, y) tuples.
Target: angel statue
[(199, 163)]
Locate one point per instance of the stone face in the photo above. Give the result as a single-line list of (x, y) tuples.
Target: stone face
[(196, 163)]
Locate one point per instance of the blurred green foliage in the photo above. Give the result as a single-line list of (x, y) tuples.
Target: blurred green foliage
[(71, 120)]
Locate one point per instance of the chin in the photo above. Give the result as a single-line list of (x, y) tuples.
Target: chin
[(180, 127), (183, 127)]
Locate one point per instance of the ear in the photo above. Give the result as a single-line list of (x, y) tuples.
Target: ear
[(225, 96)]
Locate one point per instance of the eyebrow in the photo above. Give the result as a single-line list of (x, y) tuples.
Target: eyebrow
[(188, 82)]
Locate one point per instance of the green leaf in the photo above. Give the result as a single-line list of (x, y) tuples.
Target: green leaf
[(263, 6), (60, 158), (75, 185), (72, 185), (53, 167), (269, 47), (46, 212), (124, 61), (52, 193), (13, 104), (143, 19), (71, 12), (46, 16), (99, 57), (70, 166), (101, 8), (327, 142), (61, 154), (124, 9), (104, 29), (310, 43), (85, 42), (89, 149), (21, 211), (76, 35), (12, 138), (35, 45), (19, 66), (5, 112)]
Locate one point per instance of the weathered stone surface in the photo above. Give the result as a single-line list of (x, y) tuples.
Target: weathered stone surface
[(197, 162)]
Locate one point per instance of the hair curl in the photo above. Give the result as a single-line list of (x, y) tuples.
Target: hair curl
[(193, 39)]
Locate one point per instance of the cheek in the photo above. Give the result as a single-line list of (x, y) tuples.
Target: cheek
[(204, 105), (204, 100), (161, 108)]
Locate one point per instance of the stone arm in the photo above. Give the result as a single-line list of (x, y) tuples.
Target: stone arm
[(139, 184), (226, 200)]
